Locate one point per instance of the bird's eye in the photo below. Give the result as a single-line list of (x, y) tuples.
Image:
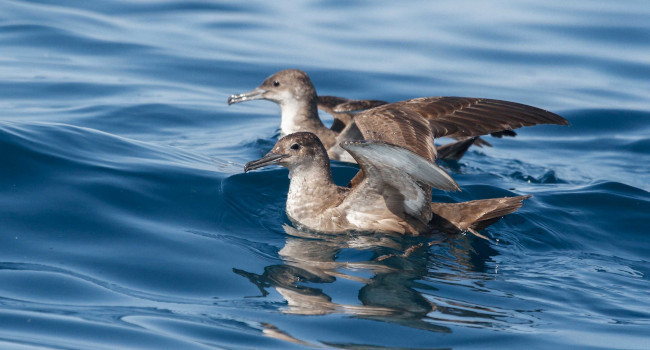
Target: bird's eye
[(295, 146), (276, 83)]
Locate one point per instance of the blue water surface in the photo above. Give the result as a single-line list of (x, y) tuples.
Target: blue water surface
[(126, 221)]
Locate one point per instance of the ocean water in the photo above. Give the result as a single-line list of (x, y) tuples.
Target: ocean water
[(126, 221)]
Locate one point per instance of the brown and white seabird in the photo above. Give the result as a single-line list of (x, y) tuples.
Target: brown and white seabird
[(392, 194), (456, 117)]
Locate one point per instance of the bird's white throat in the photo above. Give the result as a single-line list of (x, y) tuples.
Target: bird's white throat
[(291, 112)]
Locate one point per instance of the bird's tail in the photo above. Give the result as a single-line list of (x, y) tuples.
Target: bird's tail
[(474, 215)]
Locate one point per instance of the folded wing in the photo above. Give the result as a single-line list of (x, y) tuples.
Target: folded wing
[(396, 175)]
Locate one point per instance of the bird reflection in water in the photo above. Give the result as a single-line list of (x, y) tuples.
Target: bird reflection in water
[(396, 268)]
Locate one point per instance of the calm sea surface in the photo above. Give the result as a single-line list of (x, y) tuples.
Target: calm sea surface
[(126, 221)]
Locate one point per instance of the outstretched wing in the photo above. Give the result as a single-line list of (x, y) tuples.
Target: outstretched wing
[(334, 104), (398, 126), (413, 124), (342, 109), (328, 103), (358, 105), (465, 116)]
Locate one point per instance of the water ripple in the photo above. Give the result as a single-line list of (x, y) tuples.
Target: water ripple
[(127, 221)]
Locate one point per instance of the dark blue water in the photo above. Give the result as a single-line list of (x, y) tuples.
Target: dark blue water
[(126, 221)]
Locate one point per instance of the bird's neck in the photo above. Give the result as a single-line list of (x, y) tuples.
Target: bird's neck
[(311, 192), (302, 115)]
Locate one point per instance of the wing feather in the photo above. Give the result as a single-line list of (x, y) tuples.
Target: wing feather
[(397, 175), (397, 126), (328, 103), (377, 158), (465, 116), (342, 109), (335, 104), (357, 105)]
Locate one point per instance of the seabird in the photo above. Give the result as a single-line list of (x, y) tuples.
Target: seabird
[(392, 193), (462, 118)]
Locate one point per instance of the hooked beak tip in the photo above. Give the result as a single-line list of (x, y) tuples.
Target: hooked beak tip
[(269, 159), (254, 94)]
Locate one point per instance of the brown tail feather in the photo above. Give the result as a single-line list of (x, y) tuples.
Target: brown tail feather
[(455, 150), (473, 215)]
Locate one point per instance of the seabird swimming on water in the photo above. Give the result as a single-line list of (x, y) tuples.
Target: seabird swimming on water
[(456, 117), (392, 194)]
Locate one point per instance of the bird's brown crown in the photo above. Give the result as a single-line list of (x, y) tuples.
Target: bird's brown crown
[(294, 81), (299, 145)]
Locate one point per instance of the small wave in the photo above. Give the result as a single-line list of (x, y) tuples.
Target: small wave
[(548, 177)]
